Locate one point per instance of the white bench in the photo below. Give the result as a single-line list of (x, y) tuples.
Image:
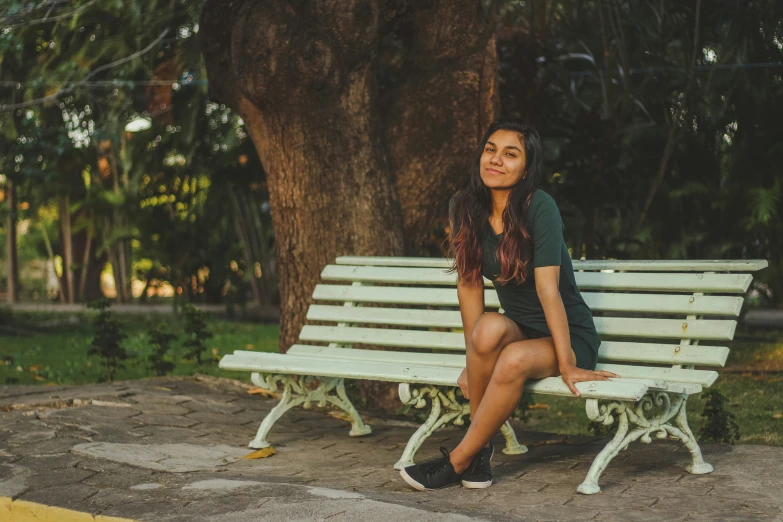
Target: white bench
[(650, 315)]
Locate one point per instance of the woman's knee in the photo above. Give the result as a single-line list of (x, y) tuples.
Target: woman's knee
[(487, 334), (513, 365)]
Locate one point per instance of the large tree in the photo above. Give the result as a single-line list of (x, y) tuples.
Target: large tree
[(364, 114)]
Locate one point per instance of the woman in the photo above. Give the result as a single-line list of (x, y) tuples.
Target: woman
[(505, 228)]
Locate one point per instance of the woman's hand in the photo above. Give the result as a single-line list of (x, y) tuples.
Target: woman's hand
[(462, 382), (573, 374)]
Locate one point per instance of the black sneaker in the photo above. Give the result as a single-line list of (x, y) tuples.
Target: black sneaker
[(433, 474), (479, 473)]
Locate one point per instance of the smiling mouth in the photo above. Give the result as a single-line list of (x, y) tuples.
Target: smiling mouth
[(494, 171)]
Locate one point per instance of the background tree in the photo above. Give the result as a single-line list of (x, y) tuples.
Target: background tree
[(361, 113)]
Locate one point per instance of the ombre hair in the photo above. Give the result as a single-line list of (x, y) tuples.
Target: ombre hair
[(470, 209)]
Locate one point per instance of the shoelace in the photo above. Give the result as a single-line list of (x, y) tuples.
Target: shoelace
[(437, 466)]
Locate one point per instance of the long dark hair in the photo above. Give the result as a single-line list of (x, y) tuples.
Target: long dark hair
[(470, 209)]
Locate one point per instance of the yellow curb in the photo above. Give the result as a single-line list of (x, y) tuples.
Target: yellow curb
[(24, 511)]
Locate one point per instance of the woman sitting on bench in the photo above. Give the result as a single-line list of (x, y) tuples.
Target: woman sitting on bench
[(505, 228)]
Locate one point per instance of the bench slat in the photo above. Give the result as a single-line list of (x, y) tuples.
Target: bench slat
[(679, 375), (660, 282), (695, 265), (607, 326), (296, 365), (600, 302), (620, 351), (611, 352), (458, 361)]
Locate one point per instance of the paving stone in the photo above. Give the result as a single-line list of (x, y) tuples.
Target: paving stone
[(68, 496), (59, 477), (48, 447), (222, 419), (173, 458), (153, 419), (49, 462), (212, 406), (162, 408)]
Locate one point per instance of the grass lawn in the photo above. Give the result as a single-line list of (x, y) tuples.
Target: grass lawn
[(57, 354)]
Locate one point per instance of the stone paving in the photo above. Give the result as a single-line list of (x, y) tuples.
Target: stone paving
[(170, 449)]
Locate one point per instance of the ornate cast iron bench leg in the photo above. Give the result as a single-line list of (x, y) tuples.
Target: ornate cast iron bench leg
[(304, 390), (659, 425)]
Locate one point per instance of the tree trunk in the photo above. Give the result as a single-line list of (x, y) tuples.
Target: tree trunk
[(302, 82), (67, 248), (445, 100), (304, 79), (12, 260)]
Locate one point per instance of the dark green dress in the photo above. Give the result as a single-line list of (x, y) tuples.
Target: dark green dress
[(520, 302)]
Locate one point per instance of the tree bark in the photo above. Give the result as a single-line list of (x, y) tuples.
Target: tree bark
[(302, 81), (12, 259), (435, 115)]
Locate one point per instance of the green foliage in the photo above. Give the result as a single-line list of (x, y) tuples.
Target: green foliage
[(160, 339), (523, 409), (719, 423), (106, 342), (599, 429), (196, 333), (6, 315)]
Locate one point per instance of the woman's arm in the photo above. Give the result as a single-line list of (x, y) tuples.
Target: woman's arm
[(548, 290), (471, 307)]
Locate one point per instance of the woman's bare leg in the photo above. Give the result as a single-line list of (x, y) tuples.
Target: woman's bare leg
[(492, 333), (517, 362)]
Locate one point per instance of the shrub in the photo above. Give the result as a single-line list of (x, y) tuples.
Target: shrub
[(719, 424), (106, 343), (161, 339), (196, 332)]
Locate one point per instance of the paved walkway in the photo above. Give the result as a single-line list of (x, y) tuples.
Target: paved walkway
[(170, 449)]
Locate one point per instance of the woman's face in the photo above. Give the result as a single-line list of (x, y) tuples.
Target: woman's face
[(503, 160)]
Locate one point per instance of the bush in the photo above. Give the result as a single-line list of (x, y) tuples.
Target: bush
[(161, 339), (196, 332), (719, 424), (106, 343)]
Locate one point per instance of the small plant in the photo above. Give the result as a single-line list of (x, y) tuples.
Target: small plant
[(161, 339), (196, 332), (719, 424), (106, 343)]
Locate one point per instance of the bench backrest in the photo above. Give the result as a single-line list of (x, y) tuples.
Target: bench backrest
[(650, 312)]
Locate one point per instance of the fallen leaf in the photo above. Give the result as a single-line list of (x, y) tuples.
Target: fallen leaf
[(538, 407), (34, 368), (161, 388), (214, 351), (778, 416), (50, 383), (776, 379), (339, 415), (261, 454), (265, 393), (249, 347), (39, 378)]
